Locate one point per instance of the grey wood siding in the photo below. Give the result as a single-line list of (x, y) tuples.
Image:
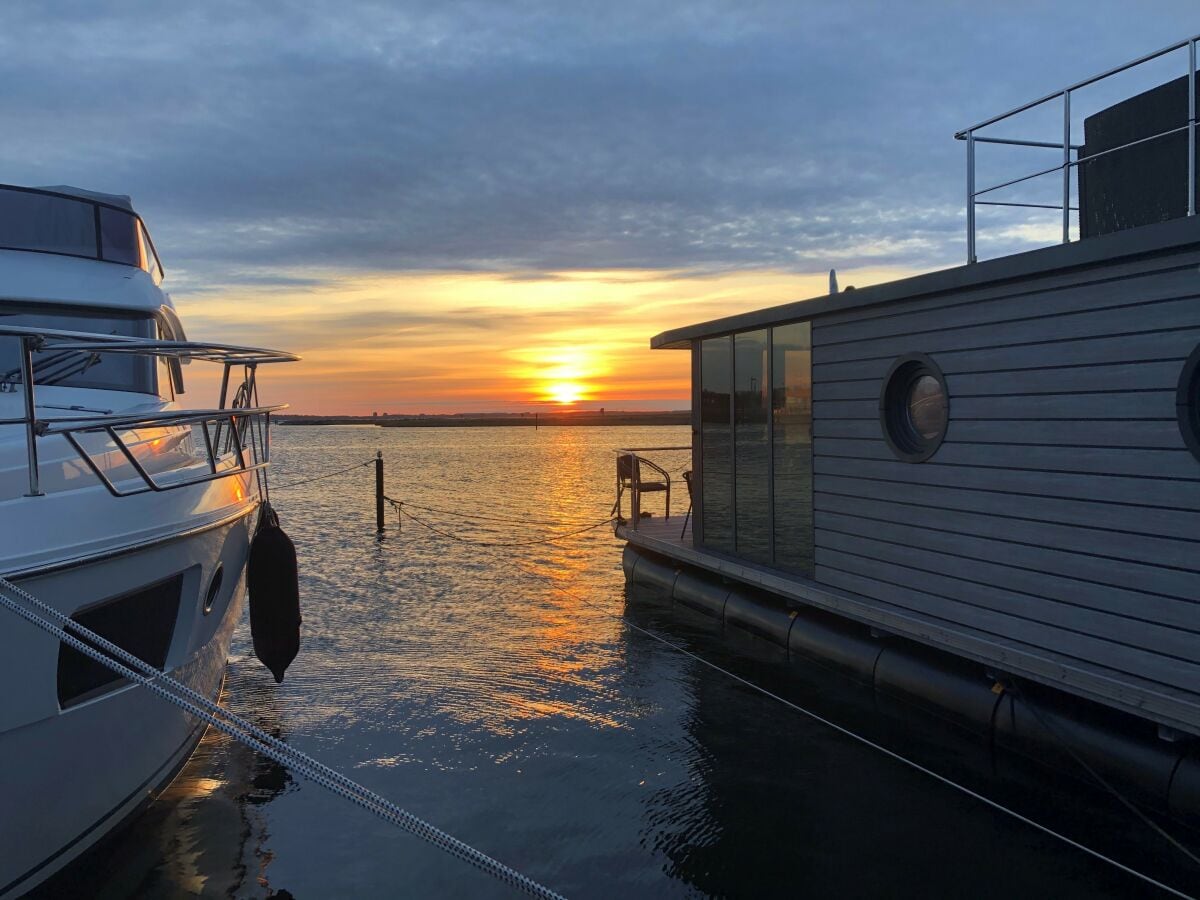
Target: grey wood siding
[(1062, 512)]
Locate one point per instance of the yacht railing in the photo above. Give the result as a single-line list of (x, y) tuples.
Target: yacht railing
[(637, 474), (235, 435), (1070, 159)]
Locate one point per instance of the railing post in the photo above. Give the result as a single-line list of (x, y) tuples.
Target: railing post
[(35, 489), (1191, 188), (1066, 200), (970, 196), (635, 494), (379, 491)]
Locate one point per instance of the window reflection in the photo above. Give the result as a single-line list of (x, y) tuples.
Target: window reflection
[(715, 443), (791, 404), (751, 446), (31, 221), (118, 237)]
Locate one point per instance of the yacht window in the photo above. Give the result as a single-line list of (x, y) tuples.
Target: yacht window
[(119, 237), (149, 257), (101, 371), (30, 221)]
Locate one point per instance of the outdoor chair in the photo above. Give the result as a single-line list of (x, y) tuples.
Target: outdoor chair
[(687, 479), (632, 473)]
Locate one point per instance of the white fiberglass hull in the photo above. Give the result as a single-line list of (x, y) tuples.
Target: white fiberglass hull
[(74, 771)]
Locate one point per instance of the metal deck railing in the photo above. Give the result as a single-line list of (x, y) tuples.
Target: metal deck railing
[(1070, 159), (235, 436)]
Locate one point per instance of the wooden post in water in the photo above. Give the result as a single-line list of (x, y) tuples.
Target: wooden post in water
[(379, 491)]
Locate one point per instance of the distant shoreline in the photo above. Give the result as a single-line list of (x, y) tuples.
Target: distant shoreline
[(515, 420)]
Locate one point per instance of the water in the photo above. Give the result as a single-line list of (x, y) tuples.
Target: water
[(475, 688)]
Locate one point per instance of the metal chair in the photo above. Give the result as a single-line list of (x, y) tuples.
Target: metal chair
[(687, 479), (630, 469)]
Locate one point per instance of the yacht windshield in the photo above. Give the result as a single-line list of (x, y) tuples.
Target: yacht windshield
[(53, 223), (101, 371)]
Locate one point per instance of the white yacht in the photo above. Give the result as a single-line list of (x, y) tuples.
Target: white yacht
[(120, 506)]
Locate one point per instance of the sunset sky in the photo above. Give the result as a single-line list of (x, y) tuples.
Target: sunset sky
[(454, 206)]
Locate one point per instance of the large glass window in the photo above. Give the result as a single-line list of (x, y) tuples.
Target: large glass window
[(756, 446), (716, 443), (791, 414), (30, 221), (752, 446), (104, 371)]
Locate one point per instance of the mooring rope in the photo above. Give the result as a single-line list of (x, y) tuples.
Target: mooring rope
[(205, 710), (301, 481), (510, 520), (399, 506), (862, 739)]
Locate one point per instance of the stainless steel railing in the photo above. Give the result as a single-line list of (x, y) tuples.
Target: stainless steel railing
[(235, 435), (1069, 165)]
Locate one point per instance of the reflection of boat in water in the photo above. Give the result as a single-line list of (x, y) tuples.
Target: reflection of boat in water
[(119, 506)]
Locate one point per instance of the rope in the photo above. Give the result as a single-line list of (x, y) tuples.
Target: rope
[(326, 475), (1096, 854), (1127, 803), (505, 519), (213, 714), (399, 505)]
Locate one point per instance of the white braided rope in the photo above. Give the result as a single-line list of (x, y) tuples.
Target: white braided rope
[(204, 709)]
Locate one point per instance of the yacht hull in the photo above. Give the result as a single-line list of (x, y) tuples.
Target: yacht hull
[(75, 768)]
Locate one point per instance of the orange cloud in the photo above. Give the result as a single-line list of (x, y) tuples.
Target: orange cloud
[(432, 342)]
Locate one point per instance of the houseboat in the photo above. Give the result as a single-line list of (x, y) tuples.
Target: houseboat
[(978, 489)]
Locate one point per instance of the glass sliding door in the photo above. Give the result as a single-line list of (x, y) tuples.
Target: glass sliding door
[(716, 443), (751, 446), (791, 406)]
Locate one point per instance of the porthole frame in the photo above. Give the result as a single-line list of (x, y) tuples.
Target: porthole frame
[(894, 420), (1187, 402)]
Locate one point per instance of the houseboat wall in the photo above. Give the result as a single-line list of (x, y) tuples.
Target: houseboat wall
[(1053, 530)]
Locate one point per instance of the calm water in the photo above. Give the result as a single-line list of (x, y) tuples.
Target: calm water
[(463, 684)]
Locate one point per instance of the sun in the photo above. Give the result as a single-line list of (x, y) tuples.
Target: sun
[(565, 392)]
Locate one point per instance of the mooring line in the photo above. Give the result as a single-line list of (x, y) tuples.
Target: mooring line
[(233, 725), (399, 506), (289, 484), (862, 739), (510, 520)]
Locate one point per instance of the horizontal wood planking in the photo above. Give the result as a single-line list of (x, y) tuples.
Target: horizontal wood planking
[(1047, 283), (1158, 434), (1173, 344), (978, 590), (1176, 464), (1016, 525), (1166, 315), (963, 551), (1122, 518), (841, 572), (1116, 405), (1032, 304), (1143, 376), (1062, 511), (1182, 495)]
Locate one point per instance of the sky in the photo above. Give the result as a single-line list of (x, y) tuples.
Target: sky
[(463, 206)]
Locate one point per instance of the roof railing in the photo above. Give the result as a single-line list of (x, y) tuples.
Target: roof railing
[(1068, 165)]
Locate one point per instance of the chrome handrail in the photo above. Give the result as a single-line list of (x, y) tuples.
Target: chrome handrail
[(244, 418), (1069, 165)]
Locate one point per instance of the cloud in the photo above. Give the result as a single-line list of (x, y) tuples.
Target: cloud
[(530, 136)]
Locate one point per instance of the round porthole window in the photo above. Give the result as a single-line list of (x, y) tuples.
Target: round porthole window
[(914, 408), (214, 588), (1187, 400)]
